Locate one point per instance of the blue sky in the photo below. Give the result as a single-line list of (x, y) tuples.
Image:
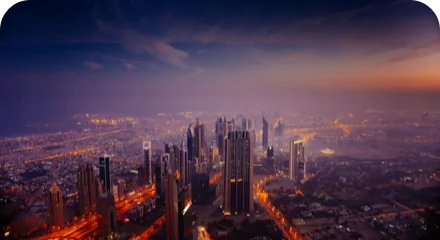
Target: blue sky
[(74, 54)]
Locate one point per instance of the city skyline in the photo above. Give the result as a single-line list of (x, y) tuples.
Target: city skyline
[(115, 57)]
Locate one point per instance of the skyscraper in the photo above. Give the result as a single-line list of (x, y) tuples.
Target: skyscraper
[(171, 208), (104, 173), (199, 141), (270, 156), (91, 180), (279, 128), (142, 176), (238, 174), (105, 207), (56, 207), (176, 149), (183, 168), (82, 186), (190, 142), (200, 188), (296, 150), (158, 176), (170, 150), (244, 125), (265, 133), (148, 157)]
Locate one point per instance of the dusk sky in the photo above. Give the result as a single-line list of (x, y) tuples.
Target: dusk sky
[(128, 56)]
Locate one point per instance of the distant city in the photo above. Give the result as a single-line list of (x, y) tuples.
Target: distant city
[(370, 174)]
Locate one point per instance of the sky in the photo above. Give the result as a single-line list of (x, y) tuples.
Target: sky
[(137, 57)]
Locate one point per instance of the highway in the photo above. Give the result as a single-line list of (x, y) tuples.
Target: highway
[(87, 225)]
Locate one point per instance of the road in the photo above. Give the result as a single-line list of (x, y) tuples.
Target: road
[(288, 230), (87, 225)]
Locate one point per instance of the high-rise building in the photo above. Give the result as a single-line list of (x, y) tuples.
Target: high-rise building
[(183, 206), (82, 186), (183, 166), (91, 180), (265, 133), (56, 207), (296, 150), (244, 125), (105, 207), (270, 157), (190, 142), (171, 208), (238, 174), (142, 176), (104, 173), (121, 188), (176, 170), (158, 176), (199, 141), (279, 128), (200, 188), (148, 158), (170, 150)]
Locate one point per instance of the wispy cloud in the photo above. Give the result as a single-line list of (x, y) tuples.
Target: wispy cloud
[(93, 65), (137, 42), (198, 71), (409, 56), (129, 66)]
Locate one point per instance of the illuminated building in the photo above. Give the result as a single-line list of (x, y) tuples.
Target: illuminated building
[(200, 188), (190, 142), (184, 164), (296, 152), (148, 158), (176, 163), (158, 177), (171, 208), (104, 173), (199, 141), (265, 133), (238, 174), (56, 207), (86, 186), (270, 157), (105, 207), (121, 188)]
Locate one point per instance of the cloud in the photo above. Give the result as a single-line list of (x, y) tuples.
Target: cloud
[(129, 66), (138, 42), (409, 57), (93, 65)]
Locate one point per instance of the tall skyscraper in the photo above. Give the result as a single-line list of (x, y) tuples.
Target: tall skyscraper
[(104, 173), (183, 168), (82, 186), (270, 156), (148, 158), (279, 128), (199, 141), (176, 149), (238, 174), (91, 180), (190, 142), (171, 208), (158, 177), (142, 175), (296, 148), (265, 133), (56, 207), (105, 207), (244, 125), (170, 150)]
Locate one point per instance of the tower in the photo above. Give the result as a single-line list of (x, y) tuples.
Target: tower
[(265, 133), (148, 153), (56, 207), (82, 185), (105, 207), (238, 174), (171, 208), (296, 150), (270, 157), (104, 173), (190, 142)]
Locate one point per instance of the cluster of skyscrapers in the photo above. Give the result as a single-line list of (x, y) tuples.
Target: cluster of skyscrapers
[(181, 165)]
